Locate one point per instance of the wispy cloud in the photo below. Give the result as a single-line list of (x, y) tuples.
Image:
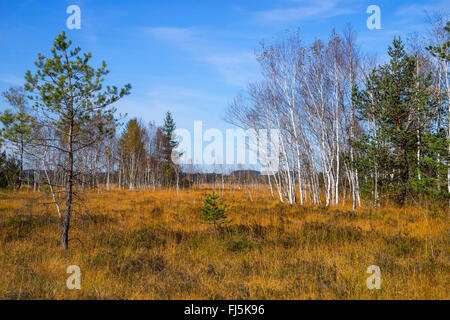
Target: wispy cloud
[(235, 67), (12, 79), (413, 18), (304, 10), (151, 109), (419, 9), (173, 35), (181, 94)]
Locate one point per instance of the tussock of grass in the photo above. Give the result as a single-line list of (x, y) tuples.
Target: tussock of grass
[(153, 245)]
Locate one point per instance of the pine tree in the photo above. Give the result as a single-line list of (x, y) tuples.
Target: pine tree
[(168, 145), (9, 171), (17, 124), (214, 211), (397, 103), (169, 128), (71, 101)]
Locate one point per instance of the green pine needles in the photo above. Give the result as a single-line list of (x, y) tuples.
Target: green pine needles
[(214, 211)]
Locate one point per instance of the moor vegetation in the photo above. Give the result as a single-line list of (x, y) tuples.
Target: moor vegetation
[(362, 178), (154, 245)]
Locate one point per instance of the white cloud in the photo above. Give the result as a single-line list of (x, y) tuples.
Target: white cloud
[(12, 79), (180, 94), (236, 67), (306, 11), (414, 10), (183, 37)]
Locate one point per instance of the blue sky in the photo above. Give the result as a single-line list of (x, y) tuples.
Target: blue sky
[(189, 57)]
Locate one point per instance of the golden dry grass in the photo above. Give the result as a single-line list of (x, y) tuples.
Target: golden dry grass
[(152, 245)]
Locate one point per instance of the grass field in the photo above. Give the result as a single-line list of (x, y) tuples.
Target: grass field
[(153, 245)]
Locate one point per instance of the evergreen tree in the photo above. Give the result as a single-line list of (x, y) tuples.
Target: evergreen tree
[(396, 102), (71, 101), (168, 144), (17, 124), (214, 211), (9, 171), (169, 128)]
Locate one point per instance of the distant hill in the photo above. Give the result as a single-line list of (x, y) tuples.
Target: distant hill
[(245, 173)]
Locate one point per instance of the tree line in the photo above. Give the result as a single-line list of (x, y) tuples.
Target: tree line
[(350, 129), (63, 124)]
